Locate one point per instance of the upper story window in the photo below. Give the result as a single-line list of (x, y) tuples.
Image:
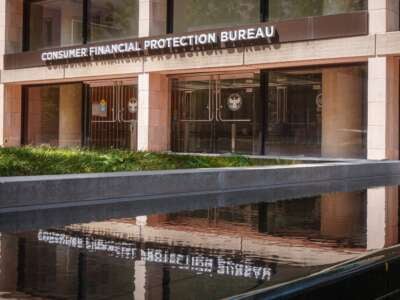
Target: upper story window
[(53, 23), (113, 19), (292, 9), (193, 15)]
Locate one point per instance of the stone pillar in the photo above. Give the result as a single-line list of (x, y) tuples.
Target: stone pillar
[(152, 17), (382, 217), (152, 88), (153, 113), (383, 16), (342, 113), (70, 133), (383, 108), (11, 24), (11, 16), (342, 214), (12, 116)]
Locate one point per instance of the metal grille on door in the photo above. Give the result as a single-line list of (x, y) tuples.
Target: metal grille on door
[(113, 114)]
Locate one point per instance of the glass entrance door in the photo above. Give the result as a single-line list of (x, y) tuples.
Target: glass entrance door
[(217, 114), (112, 110)]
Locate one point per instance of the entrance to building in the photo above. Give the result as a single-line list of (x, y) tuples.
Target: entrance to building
[(217, 114), (111, 112)]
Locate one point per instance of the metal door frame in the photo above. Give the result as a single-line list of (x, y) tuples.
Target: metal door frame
[(215, 105), (117, 108)]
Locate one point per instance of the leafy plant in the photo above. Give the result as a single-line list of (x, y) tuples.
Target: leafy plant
[(28, 161)]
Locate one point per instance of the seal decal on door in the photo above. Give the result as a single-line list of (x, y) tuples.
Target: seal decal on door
[(235, 102), (133, 105)]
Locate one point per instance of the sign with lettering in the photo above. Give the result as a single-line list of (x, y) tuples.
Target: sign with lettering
[(140, 46), (199, 263)]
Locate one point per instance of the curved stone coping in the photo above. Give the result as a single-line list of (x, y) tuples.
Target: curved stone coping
[(19, 192)]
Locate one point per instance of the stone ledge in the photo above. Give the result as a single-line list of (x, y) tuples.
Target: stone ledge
[(19, 192)]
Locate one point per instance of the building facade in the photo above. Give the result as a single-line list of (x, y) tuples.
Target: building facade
[(316, 78)]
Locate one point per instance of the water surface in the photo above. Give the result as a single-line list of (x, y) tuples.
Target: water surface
[(209, 253)]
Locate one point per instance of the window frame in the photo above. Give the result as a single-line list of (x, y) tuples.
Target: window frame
[(25, 106), (86, 29), (26, 25), (264, 14), (170, 14)]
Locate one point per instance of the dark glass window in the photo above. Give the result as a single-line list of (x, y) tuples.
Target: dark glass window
[(55, 23), (192, 15), (113, 19), (217, 114), (52, 115), (317, 112), (291, 9)]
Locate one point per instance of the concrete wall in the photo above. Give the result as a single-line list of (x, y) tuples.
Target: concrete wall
[(86, 189)]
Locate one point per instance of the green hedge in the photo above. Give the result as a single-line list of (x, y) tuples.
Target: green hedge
[(28, 161)]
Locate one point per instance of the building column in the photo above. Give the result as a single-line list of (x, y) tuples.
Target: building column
[(152, 17), (382, 217), (383, 86), (153, 113), (342, 113), (383, 16), (153, 108), (11, 15), (383, 108)]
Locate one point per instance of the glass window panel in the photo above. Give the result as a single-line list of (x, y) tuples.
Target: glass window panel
[(192, 15), (317, 112), (219, 114), (43, 115), (55, 23), (53, 115), (114, 19), (291, 9)]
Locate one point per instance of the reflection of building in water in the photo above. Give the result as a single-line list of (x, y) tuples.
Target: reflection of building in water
[(202, 252), (8, 263)]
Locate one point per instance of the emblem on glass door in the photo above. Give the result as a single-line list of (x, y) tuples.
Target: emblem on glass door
[(235, 102), (133, 105)]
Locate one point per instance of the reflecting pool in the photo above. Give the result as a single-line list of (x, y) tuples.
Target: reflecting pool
[(210, 252)]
